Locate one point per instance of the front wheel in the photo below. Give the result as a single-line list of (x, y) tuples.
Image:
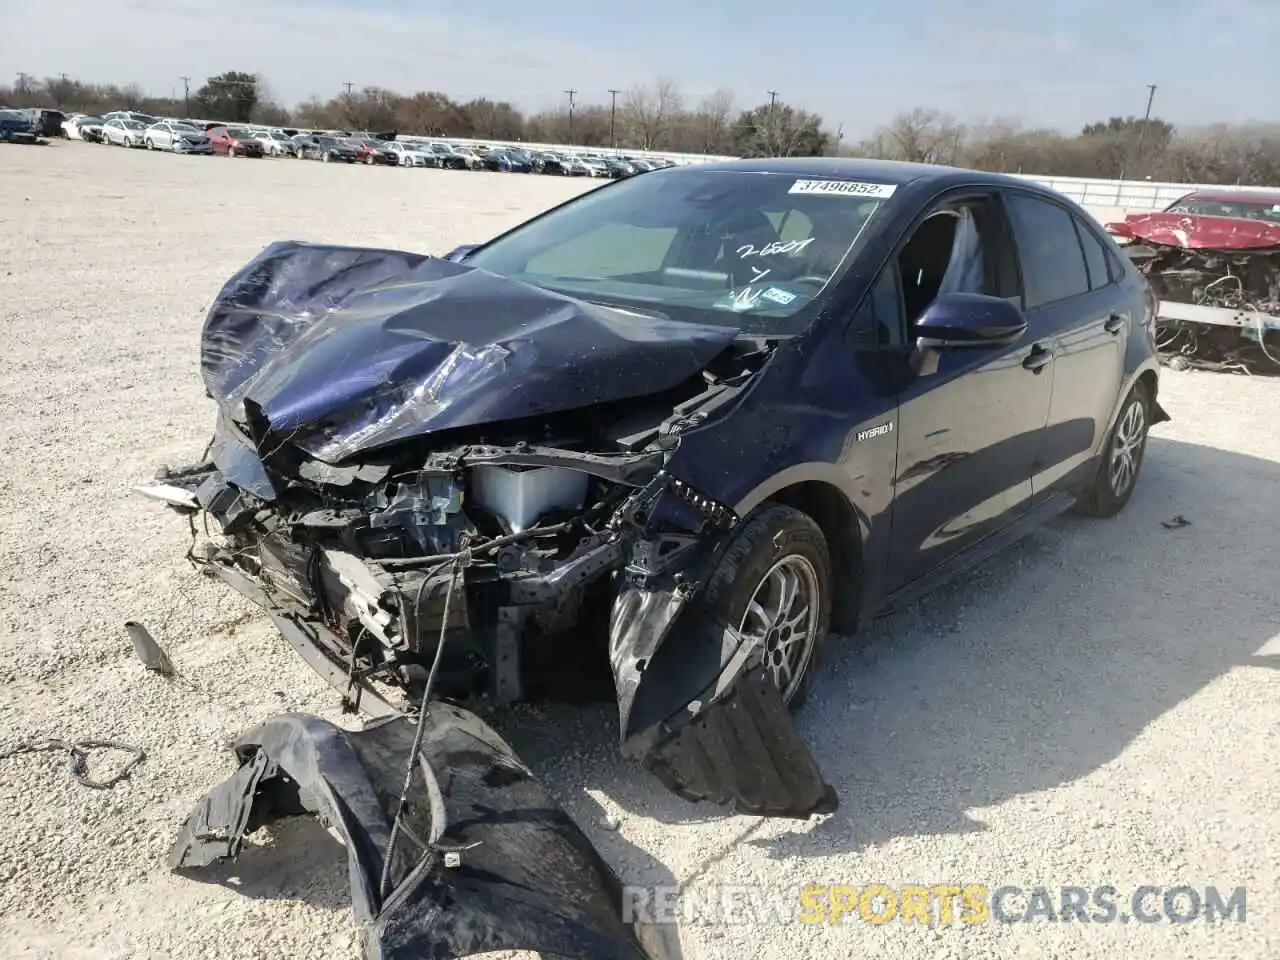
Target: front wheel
[(1122, 457), (773, 583)]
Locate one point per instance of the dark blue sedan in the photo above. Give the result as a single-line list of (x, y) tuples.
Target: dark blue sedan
[(680, 427)]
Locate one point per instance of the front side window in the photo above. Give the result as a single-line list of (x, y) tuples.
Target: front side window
[(1053, 264), (697, 245)]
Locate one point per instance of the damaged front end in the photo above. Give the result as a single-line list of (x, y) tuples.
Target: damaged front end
[(1217, 281), (392, 427)]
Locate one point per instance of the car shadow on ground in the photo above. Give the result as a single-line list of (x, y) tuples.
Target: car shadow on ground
[(1032, 671)]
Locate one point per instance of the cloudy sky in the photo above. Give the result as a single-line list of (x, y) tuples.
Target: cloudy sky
[(1059, 64)]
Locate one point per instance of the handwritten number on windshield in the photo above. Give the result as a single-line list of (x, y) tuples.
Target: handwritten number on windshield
[(777, 248)]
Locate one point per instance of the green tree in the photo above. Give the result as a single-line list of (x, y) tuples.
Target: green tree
[(778, 130), (230, 97)]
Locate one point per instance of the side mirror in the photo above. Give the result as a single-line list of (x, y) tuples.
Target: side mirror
[(459, 254), (956, 321)]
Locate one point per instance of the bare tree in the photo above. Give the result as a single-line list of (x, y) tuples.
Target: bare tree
[(650, 113), (709, 124), (922, 136)]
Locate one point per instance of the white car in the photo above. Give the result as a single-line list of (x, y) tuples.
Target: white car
[(410, 155), (276, 143), (469, 157), (83, 127), (595, 166), (178, 137), (119, 132)]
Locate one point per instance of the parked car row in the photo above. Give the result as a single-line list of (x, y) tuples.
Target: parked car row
[(132, 129)]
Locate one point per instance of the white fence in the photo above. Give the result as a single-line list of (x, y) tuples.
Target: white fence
[(1127, 195)]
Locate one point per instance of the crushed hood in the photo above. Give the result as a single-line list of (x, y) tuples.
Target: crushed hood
[(347, 349), (1203, 233)]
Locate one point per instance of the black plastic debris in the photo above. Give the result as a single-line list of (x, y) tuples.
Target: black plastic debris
[(484, 860)]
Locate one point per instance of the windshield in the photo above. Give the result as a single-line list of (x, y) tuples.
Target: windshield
[(329, 142), (132, 124), (1238, 209), (699, 245), (236, 133)]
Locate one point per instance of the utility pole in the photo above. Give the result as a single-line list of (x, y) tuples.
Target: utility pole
[(839, 138), (613, 115), (571, 95), (1146, 122), (22, 82), (186, 96), (773, 127), (348, 84)]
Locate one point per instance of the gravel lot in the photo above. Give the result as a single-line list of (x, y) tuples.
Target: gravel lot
[(1101, 705)]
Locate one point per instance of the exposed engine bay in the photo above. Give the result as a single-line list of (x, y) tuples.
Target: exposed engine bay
[(369, 550)]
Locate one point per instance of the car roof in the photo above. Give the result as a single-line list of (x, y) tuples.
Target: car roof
[(1233, 196), (856, 168)]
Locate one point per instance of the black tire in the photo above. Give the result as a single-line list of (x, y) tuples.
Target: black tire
[(1110, 490), (769, 536)]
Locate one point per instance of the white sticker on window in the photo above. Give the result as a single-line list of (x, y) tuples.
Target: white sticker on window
[(845, 188), (778, 296)]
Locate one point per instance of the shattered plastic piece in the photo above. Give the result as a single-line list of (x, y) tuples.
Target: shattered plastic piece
[(486, 860), (148, 650), (1176, 523)]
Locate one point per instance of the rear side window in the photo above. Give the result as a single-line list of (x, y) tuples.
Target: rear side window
[(1101, 269), (1053, 262)]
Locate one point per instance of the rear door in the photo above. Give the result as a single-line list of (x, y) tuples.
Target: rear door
[(1075, 304), (969, 428)]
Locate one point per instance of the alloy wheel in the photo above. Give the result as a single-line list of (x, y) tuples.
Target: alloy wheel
[(1126, 447), (782, 618)]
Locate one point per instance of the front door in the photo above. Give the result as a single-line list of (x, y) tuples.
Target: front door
[(970, 420)]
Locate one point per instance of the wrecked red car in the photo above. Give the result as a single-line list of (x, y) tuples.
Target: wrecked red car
[(1213, 261)]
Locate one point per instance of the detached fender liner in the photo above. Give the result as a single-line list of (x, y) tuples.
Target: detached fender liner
[(744, 749), (485, 860), (697, 706)]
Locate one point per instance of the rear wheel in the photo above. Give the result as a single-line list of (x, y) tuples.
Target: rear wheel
[(773, 583), (1122, 458)]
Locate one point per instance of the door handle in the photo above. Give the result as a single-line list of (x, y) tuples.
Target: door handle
[(1115, 322), (1039, 358)]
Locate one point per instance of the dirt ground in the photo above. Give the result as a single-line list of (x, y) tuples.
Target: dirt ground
[(1099, 706)]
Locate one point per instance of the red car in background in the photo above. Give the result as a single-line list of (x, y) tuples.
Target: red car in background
[(371, 151), (233, 141)]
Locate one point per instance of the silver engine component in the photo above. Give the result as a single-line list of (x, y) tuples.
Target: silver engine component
[(520, 495)]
